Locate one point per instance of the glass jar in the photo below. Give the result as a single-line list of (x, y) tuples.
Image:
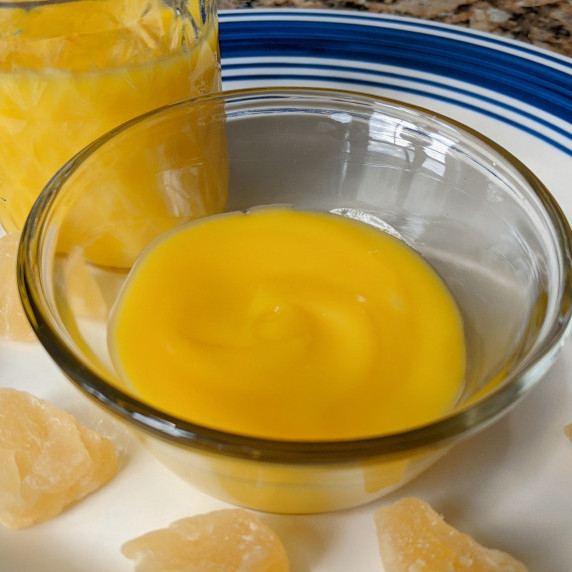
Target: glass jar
[(71, 70)]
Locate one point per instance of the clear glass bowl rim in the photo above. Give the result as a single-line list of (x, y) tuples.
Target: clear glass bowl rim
[(186, 434)]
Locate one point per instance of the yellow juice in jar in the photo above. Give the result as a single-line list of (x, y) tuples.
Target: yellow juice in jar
[(70, 72), (289, 325)]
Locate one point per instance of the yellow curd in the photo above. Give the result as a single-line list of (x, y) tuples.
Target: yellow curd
[(69, 72), (289, 324)]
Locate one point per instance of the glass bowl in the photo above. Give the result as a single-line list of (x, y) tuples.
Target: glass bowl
[(481, 218)]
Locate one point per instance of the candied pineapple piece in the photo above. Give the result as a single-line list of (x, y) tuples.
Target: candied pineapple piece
[(13, 322), (47, 459), (568, 431), (413, 538), (228, 540)]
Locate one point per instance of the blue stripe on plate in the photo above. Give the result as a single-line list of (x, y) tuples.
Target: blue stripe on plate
[(406, 22), (546, 88), (383, 80), (526, 129)]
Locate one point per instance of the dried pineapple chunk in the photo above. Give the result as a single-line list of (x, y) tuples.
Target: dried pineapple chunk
[(228, 540), (568, 431), (47, 459), (13, 322), (414, 538)]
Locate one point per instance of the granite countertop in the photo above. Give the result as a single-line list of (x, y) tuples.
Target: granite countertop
[(539, 22)]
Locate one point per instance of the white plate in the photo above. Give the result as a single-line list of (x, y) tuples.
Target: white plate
[(510, 486)]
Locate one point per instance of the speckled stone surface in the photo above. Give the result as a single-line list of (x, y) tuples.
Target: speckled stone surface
[(540, 22)]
